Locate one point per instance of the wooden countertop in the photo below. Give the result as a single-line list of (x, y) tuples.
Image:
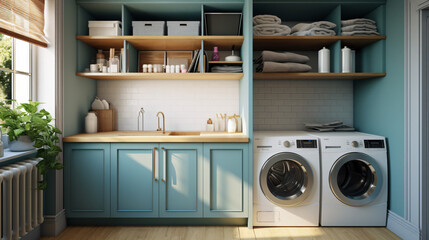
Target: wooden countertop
[(146, 136)]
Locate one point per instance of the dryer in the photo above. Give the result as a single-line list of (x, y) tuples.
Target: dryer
[(354, 179), (286, 179)]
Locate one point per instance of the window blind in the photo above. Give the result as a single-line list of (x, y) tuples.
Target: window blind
[(23, 19)]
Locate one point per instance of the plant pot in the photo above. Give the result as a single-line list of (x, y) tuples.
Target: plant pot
[(23, 143)]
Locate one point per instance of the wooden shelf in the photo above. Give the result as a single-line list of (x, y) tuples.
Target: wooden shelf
[(166, 43), (356, 42), (310, 43), (316, 76), (162, 76), (226, 62)]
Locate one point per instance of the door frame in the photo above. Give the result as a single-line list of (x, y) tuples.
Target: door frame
[(416, 120)]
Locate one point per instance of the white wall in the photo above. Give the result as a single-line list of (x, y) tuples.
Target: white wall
[(186, 104), (287, 105)]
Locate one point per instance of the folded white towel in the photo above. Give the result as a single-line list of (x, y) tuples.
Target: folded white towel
[(355, 21), (271, 30), (359, 27), (266, 19), (307, 26), (315, 32), (360, 33)]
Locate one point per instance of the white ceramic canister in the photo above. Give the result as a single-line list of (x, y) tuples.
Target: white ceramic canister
[(346, 60), (324, 60), (91, 123), (232, 125)]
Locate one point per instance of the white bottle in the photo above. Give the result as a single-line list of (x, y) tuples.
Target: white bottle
[(167, 68), (324, 60), (177, 69), (346, 60), (232, 124), (91, 123)]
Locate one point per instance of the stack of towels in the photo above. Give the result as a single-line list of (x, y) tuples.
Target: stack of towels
[(269, 25), (358, 26), (280, 62), (321, 28)]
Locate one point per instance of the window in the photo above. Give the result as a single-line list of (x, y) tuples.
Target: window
[(15, 69)]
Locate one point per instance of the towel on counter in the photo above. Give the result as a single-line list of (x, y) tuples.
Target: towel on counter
[(359, 27), (360, 33), (266, 19), (355, 21), (315, 32), (281, 57), (271, 30), (275, 67), (300, 27)]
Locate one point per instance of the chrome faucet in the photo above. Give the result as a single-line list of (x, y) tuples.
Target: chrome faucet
[(163, 122), (141, 113)]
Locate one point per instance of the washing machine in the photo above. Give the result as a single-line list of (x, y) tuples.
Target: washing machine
[(286, 179), (354, 179)]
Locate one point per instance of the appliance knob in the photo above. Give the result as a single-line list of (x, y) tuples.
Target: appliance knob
[(355, 144), (286, 144)]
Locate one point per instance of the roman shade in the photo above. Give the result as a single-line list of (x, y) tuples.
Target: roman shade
[(23, 19)]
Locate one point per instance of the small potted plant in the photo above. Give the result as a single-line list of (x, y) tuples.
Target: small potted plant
[(29, 128)]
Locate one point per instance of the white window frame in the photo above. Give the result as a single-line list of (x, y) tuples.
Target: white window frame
[(14, 71)]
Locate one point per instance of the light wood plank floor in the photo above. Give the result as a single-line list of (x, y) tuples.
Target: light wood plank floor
[(222, 232)]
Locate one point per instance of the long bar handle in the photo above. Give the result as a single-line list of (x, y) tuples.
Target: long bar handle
[(164, 174), (153, 164)]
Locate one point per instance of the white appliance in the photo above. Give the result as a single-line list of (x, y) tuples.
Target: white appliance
[(286, 179), (354, 179)]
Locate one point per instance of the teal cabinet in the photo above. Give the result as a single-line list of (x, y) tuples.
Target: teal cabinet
[(134, 173), (87, 179), (181, 180), (226, 183)]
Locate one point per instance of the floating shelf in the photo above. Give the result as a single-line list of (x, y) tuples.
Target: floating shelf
[(166, 43), (162, 76), (226, 62), (310, 43), (316, 76)]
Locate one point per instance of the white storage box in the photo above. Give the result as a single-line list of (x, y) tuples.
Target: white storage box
[(183, 28), (148, 28), (105, 28)]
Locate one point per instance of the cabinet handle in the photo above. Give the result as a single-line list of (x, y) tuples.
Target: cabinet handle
[(164, 174), (153, 163)]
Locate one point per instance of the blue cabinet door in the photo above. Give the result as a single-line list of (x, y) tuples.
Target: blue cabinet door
[(226, 183), (181, 180), (87, 179), (134, 180)]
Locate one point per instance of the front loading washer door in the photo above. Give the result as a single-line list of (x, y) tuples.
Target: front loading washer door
[(355, 179), (286, 179)]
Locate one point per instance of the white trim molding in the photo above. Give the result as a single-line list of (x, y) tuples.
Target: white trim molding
[(54, 225), (401, 227), (416, 93)]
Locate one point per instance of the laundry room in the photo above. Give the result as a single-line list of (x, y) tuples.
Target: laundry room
[(214, 119)]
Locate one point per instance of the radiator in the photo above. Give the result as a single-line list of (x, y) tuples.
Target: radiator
[(20, 200)]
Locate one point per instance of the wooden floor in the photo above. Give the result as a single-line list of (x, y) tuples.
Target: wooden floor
[(223, 232)]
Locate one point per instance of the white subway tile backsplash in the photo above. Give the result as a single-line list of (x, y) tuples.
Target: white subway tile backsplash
[(186, 104), (287, 105)]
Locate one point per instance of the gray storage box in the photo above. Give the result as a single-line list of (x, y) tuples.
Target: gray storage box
[(222, 24), (183, 28), (148, 28)]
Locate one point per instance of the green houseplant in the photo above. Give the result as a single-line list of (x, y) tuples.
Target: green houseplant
[(27, 120)]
